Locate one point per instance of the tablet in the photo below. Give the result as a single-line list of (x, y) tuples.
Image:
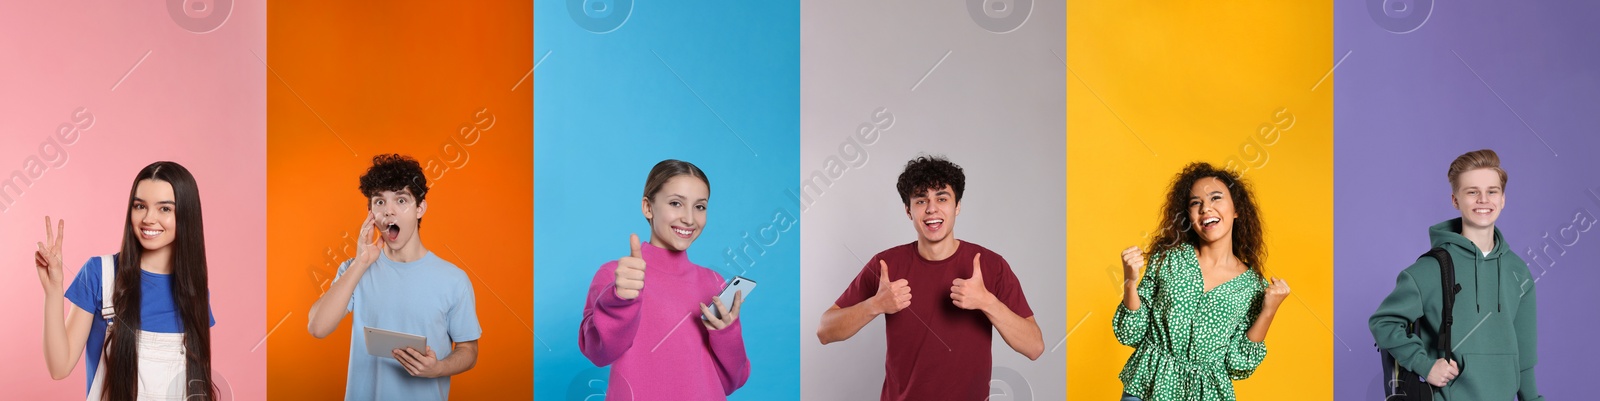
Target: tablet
[(738, 284), (382, 343)]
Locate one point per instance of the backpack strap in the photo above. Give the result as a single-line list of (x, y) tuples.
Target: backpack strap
[(108, 271), (1447, 278)]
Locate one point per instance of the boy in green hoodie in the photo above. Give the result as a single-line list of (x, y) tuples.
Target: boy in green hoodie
[(1494, 338)]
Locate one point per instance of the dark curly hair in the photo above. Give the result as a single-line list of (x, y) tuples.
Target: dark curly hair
[(1248, 232), (930, 172), (394, 172)]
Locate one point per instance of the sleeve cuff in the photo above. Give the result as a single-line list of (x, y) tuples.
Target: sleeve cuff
[(734, 330), (610, 299), (1125, 315), (1421, 365)]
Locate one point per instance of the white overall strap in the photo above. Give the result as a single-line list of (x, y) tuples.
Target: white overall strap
[(97, 387), (108, 269)]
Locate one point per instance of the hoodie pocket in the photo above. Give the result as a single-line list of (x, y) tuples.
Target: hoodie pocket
[(1485, 377)]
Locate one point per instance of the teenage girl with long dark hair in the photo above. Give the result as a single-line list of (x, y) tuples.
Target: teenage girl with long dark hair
[(143, 314)]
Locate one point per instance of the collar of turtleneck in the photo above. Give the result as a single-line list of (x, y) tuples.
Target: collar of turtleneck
[(658, 259)]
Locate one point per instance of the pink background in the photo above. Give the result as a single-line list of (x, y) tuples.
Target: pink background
[(195, 98)]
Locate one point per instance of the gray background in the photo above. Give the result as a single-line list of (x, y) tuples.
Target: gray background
[(995, 103)]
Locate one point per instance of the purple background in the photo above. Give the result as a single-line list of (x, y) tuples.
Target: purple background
[(1406, 104)]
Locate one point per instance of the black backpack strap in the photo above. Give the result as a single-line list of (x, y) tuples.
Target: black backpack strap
[(1447, 277)]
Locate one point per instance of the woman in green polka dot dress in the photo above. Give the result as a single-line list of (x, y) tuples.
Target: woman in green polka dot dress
[(1198, 317)]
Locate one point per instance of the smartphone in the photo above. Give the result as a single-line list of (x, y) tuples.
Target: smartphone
[(738, 284)]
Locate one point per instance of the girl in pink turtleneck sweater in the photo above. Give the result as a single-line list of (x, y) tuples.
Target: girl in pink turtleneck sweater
[(658, 333)]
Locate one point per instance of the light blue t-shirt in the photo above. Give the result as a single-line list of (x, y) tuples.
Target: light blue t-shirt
[(157, 312), (428, 297)]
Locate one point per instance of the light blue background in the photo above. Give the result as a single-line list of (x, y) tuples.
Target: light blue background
[(715, 84)]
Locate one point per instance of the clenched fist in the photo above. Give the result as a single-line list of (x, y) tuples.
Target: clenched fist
[(1132, 262), (1277, 290), (1444, 371)]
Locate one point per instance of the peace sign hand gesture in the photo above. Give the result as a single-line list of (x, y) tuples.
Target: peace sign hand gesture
[(48, 257)]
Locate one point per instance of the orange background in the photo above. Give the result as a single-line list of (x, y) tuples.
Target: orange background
[(347, 81)]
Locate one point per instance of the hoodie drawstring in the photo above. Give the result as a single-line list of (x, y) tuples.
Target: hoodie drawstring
[(1499, 306), (1497, 298)]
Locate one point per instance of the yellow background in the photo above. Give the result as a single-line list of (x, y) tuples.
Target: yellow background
[(1155, 85)]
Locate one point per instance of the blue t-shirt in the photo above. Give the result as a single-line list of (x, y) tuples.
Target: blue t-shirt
[(157, 312), (428, 297)]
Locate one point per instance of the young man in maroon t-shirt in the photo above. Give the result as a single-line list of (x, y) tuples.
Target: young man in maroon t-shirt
[(939, 297)]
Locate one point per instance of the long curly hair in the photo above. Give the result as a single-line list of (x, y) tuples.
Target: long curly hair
[(1248, 231)]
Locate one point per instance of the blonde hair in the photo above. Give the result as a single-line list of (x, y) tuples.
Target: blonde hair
[(1474, 160)]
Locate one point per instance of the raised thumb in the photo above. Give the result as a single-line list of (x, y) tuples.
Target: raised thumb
[(633, 246), (977, 268)]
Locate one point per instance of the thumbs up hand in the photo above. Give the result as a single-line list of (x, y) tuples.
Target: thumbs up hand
[(630, 271), (892, 296), (969, 293)]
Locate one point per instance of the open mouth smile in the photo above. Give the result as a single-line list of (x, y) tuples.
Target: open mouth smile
[(681, 232)]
